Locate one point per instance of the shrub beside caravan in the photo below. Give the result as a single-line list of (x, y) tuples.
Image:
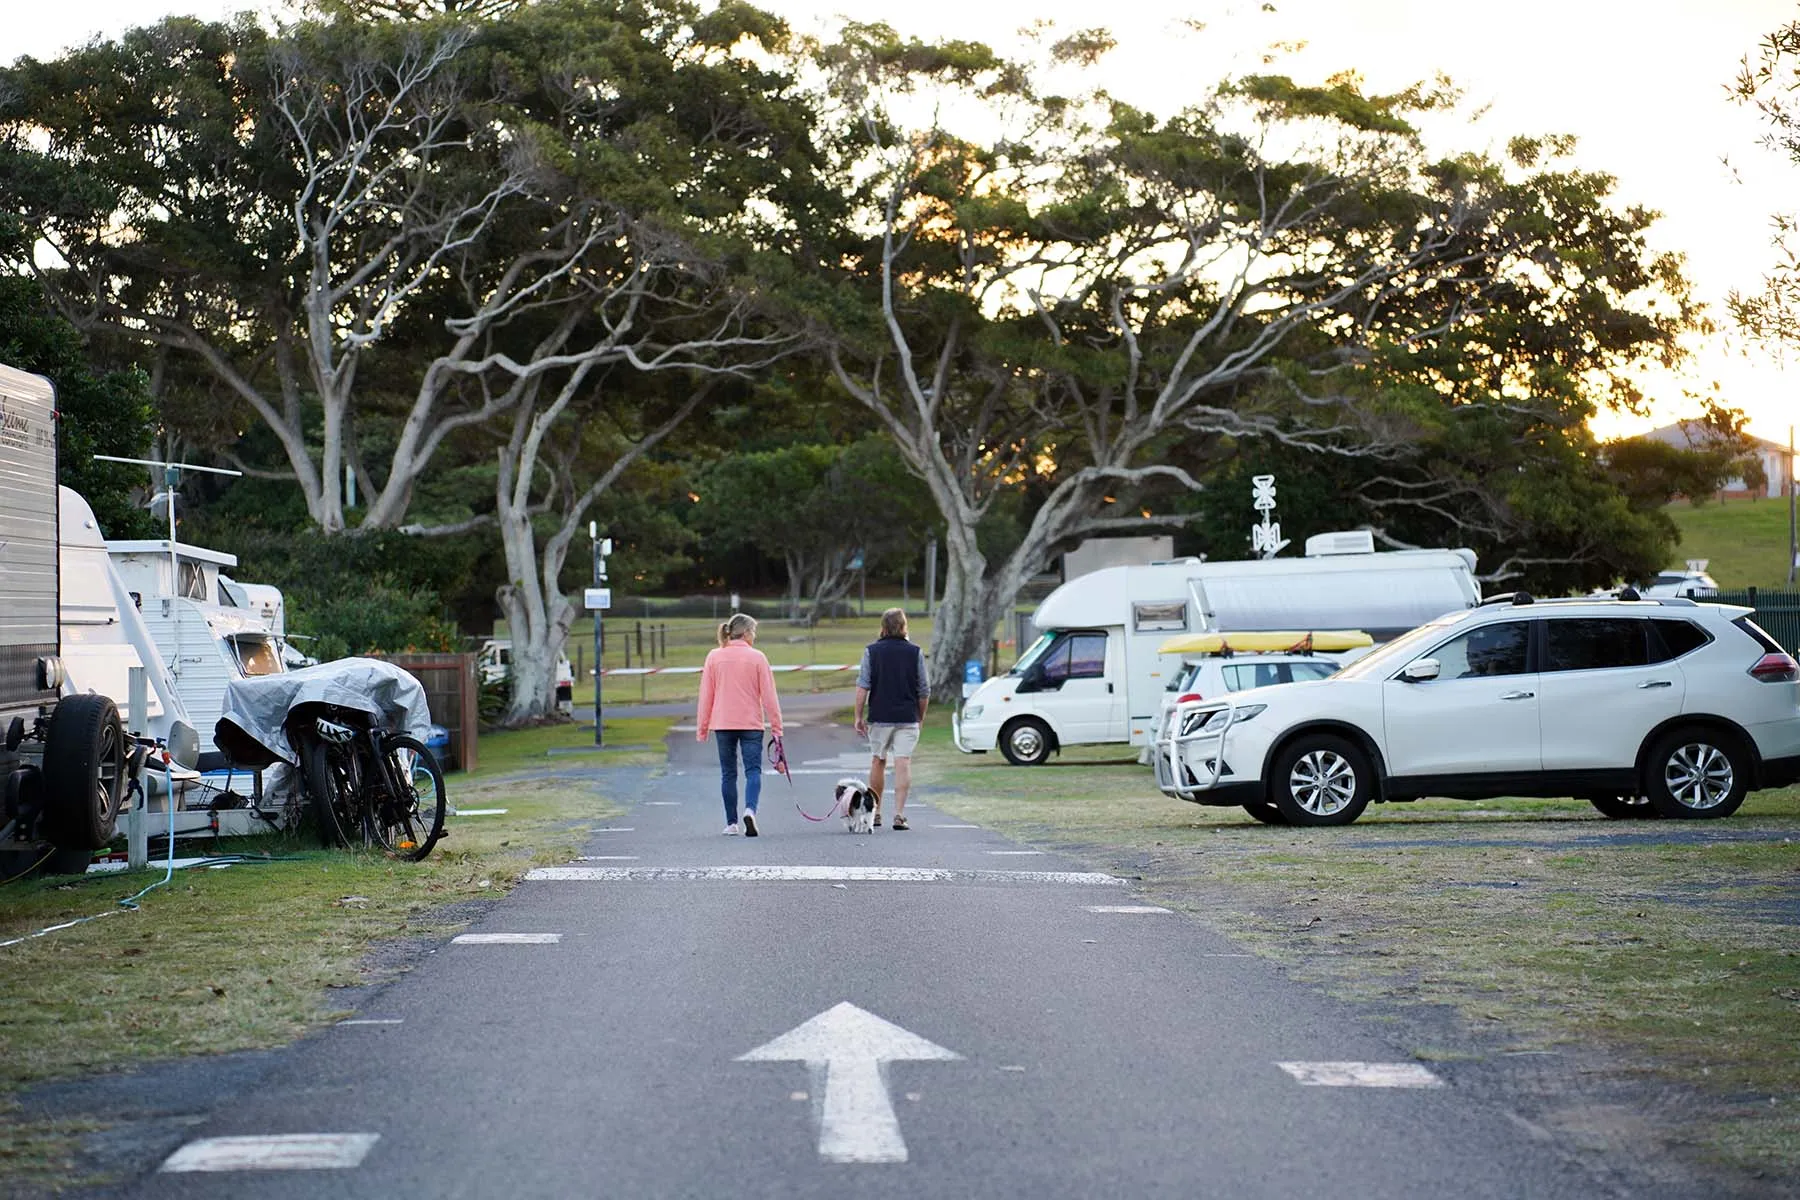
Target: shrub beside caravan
[(1094, 675)]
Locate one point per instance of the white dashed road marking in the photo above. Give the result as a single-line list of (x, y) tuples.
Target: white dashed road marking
[(505, 939), (814, 874), (480, 812), (607, 858), (372, 1021), (1125, 908), (617, 829), (280, 1152), (662, 804), (1361, 1074)]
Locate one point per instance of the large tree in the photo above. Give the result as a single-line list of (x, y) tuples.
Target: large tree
[(1076, 303)]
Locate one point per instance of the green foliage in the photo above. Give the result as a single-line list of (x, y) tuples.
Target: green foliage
[(99, 412)]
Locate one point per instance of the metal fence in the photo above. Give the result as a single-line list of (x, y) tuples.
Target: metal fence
[(1777, 611)]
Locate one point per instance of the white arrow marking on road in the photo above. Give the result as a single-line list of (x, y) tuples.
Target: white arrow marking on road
[(846, 1049)]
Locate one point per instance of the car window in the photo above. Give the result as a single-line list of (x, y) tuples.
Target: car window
[(1184, 678), (1595, 643), (1486, 650), (1076, 656), (1676, 638), (1087, 656), (1303, 672)]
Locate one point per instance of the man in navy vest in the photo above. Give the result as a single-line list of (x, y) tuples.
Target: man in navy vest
[(891, 684)]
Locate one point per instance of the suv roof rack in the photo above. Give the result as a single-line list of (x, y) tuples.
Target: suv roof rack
[(1509, 598)]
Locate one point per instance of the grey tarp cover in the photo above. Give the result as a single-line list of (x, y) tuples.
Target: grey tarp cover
[(253, 730)]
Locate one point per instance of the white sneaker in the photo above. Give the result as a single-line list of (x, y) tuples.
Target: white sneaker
[(731, 831), (749, 819)]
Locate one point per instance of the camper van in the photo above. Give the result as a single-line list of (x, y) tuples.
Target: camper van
[(1095, 674), (206, 645)]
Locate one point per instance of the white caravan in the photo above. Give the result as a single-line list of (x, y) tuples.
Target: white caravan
[(103, 634), (205, 644), (1094, 674)]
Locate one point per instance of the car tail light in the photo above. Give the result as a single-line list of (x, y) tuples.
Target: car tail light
[(1187, 696), (1775, 668)]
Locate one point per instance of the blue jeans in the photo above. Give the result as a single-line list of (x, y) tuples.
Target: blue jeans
[(733, 743)]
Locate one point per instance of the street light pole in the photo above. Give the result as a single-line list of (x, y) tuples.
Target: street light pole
[(599, 580)]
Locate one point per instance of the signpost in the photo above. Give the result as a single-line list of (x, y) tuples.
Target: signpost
[(844, 1048), (599, 598), (1265, 538)]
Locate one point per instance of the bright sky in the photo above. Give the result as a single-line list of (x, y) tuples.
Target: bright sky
[(1642, 83)]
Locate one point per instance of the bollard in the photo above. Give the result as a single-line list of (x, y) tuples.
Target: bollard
[(137, 833)]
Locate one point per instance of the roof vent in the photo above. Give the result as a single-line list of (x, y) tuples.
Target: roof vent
[(1344, 541)]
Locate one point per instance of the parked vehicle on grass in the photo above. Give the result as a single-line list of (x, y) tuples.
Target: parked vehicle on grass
[(495, 664), (1095, 673), (66, 760), (1692, 582), (1638, 706), (1217, 664)]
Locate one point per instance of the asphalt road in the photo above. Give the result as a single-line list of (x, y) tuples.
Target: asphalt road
[(1055, 1051)]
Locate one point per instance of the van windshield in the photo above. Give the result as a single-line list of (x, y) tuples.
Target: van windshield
[(257, 655), (1397, 653), (1032, 653)]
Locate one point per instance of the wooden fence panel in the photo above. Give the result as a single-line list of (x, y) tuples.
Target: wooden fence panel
[(454, 696)]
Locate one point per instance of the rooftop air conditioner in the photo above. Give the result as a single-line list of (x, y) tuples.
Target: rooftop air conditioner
[(1347, 541)]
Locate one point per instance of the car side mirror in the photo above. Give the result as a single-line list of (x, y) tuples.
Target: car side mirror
[(1420, 670), (184, 745)]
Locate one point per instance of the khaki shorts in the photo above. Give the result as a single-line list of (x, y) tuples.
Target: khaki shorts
[(899, 741)]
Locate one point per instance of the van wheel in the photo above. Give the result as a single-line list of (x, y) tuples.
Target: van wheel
[(1694, 773), (1026, 742), (84, 772), (1321, 780)]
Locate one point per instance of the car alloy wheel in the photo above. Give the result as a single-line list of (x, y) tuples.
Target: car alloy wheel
[(1025, 742), (1699, 776), (1322, 782)]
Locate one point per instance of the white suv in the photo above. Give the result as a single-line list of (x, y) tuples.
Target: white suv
[(1642, 707)]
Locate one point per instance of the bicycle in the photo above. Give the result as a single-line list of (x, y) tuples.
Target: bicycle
[(369, 786)]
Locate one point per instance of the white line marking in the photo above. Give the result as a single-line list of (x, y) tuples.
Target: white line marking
[(1361, 1074), (662, 804), (280, 1152), (372, 1021), (1125, 908), (844, 1048), (616, 829), (1015, 853), (505, 939), (481, 812), (956, 827), (809, 874), (607, 858)]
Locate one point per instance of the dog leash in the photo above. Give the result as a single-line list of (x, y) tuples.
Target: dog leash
[(810, 817)]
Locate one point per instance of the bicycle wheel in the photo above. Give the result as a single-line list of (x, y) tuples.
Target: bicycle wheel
[(331, 781), (410, 821)]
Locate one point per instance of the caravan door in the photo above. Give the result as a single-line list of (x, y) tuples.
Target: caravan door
[(1077, 686)]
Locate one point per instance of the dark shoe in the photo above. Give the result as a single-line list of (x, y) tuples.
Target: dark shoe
[(900, 824), (749, 820)]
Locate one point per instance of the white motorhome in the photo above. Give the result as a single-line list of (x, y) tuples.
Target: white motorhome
[(206, 645), (1094, 674)]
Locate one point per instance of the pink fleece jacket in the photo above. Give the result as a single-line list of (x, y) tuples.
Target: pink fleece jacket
[(736, 689)]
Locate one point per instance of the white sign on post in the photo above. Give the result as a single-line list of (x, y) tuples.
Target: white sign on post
[(598, 598)]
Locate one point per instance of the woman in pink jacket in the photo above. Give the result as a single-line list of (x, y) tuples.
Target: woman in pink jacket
[(737, 690)]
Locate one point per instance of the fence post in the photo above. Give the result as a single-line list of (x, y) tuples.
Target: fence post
[(640, 642)]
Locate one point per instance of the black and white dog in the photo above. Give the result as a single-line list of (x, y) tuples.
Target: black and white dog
[(859, 804)]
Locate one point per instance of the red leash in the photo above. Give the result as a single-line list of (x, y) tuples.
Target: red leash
[(810, 817)]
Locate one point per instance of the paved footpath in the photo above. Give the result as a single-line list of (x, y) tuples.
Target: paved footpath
[(933, 1013)]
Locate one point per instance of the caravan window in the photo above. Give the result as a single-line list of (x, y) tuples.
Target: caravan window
[(257, 655), (191, 580), (1161, 616)]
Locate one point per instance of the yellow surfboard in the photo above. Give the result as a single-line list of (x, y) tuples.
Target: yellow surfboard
[(1266, 641)]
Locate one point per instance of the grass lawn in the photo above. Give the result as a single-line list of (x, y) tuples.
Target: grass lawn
[(1546, 928), (1744, 541), (247, 956)]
